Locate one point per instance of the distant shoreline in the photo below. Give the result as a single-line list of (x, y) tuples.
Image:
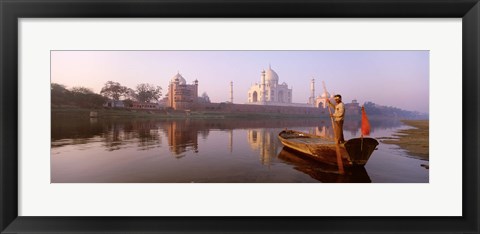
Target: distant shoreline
[(163, 114), (175, 114), (414, 140)]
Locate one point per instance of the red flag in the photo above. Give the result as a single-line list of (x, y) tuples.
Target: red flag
[(365, 123)]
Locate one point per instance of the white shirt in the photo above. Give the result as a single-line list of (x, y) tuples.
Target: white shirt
[(339, 113)]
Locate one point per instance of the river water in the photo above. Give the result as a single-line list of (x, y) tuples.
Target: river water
[(85, 150)]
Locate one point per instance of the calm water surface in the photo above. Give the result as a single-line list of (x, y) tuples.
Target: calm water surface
[(215, 150)]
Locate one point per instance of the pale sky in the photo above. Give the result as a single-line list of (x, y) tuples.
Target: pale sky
[(391, 78)]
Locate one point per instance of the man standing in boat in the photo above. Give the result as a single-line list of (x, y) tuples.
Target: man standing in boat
[(338, 117)]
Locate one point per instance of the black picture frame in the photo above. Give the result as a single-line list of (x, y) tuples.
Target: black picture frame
[(11, 11)]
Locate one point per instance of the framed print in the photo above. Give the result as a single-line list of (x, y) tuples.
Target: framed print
[(124, 116)]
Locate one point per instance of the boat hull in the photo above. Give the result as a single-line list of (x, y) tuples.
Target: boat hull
[(354, 152)]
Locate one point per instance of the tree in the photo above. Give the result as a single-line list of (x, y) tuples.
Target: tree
[(131, 95), (81, 90), (85, 97), (59, 94), (148, 92), (113, 90), (76, 96), (57, 87)]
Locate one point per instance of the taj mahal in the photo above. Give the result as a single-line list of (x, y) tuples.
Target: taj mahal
[(270, 92)]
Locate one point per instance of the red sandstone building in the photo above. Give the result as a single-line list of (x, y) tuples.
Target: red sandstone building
[(182, 96)]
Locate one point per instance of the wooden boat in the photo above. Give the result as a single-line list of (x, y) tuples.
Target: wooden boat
[(354, 152)]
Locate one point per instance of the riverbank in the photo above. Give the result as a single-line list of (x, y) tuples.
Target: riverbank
[(171, 114), (413, 140)]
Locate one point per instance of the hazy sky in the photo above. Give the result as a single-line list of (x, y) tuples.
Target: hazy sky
[(391, 78)]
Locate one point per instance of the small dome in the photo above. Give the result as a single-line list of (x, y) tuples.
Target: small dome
[(325, 95), (271, 75), (180, 78)]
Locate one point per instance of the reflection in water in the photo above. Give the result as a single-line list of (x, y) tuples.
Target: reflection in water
[(118, 135), (182, 137), (323, 131), (265, 142), (324, 172), (230, 138), (219, 150)]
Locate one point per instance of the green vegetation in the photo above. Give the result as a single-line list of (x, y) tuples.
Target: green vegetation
[(114, 90), (148, 92), (75, 97), (143, 93)]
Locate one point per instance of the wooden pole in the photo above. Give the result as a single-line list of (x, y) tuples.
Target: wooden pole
[(339, 155), (329, 111), (339, 160)]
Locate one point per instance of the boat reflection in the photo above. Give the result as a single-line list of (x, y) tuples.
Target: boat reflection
[(323, 172)]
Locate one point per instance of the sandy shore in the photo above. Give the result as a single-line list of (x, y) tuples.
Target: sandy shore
[(414, 140)]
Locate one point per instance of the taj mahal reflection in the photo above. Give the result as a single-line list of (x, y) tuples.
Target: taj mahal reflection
[(322, 131), (265, 142)]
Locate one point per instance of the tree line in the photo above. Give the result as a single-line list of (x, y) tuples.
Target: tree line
[(142, 93), (85, 97), (76, 96), (390, 111)]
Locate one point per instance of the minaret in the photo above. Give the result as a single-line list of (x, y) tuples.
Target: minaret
[(196, 89), (312, 93), (231, 91), (262, 99)]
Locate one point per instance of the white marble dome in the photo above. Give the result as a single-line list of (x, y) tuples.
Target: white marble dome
[(325, 95), (180, 78), (271, 76)]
